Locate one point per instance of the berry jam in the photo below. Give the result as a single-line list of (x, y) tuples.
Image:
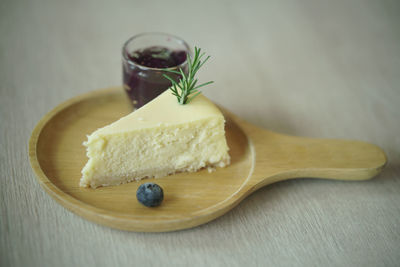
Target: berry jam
[(143, 74)]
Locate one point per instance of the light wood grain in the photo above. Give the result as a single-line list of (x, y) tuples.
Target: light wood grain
[(322, 69), (258, 158)]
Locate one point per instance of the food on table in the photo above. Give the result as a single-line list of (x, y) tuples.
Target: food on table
[(179, 131), (150, 194), (161, 138), (143, 80)]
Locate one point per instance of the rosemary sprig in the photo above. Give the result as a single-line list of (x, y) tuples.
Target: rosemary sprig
[(186, 88)]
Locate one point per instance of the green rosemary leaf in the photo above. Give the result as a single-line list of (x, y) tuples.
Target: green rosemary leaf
[(204, 84), (170, 79), (172, 71), (187, 83), (193, 96)]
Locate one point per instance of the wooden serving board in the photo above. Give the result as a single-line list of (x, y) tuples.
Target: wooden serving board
[(258, 157)]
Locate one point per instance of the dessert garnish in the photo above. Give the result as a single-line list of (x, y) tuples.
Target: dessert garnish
[(150, 194), (186, 88)]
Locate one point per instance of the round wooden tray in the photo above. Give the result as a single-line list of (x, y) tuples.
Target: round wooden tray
[(57, 157)]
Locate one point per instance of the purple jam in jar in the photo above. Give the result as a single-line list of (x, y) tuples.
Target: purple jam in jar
[(143, 68), (158, 57)]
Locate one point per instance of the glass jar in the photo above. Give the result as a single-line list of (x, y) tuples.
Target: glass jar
[(145, 58)]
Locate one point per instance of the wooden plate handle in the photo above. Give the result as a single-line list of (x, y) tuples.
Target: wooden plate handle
[(335, 159), (280, 157)]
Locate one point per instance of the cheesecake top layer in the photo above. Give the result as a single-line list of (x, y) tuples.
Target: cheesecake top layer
[(163, 110)]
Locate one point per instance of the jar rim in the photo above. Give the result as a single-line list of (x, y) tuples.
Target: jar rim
[(129, 61)]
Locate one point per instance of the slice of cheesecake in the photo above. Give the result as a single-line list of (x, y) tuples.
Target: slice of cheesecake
[(161, 138)]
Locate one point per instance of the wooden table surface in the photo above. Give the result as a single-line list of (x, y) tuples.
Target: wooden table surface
[(312, 68)]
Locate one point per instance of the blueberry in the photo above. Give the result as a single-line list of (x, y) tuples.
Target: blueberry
[(150, 194)]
